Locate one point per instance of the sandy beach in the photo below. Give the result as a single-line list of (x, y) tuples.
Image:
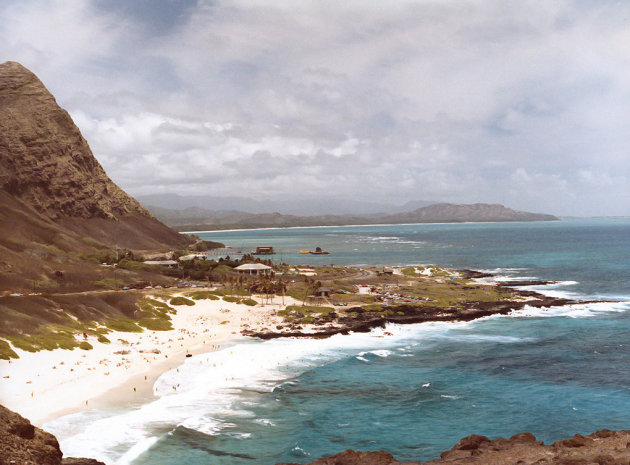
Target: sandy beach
[(48, 384)]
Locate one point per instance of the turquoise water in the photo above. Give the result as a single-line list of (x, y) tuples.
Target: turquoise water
[(412, 390)]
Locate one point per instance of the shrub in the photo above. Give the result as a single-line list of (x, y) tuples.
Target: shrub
[(6, 352), (85, 345), (126, 326), (200, 295), (250, 302), (93, 243), (103, 340), (156, 324), (109, 283), (231, 291), (181, 301), (129, 264)]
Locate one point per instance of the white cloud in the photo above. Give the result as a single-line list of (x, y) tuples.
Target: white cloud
[(523, 103)]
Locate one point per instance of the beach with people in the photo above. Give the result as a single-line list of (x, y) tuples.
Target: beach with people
[(46, 384)]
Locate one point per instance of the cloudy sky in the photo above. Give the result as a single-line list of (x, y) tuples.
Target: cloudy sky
[(523, 103)]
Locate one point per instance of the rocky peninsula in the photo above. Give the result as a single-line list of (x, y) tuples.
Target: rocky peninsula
[(371, 299)]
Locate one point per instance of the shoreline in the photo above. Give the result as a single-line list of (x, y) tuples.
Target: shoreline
[(46, 385), (124, 372), (362, 325)]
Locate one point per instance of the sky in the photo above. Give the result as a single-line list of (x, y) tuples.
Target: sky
[(522, 103)]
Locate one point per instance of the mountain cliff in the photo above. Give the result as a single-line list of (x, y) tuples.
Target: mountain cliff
[(47, 165), (56, 201)]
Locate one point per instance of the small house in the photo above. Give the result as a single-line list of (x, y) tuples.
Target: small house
[(254, 269), (264, 250), (169, 263), (193, 256), (323, 292)]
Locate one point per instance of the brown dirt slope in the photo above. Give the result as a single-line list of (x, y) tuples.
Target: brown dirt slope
[(56, 201)]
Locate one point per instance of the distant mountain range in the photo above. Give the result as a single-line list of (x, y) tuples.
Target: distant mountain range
[(295, 206), (199, 219)]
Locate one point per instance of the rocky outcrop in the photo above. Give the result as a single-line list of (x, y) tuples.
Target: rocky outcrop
[(24, 444), (352, 457), (360, 320), (601, 448), (47, 165)]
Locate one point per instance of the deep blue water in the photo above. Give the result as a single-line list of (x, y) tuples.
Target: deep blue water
[(417, 391)]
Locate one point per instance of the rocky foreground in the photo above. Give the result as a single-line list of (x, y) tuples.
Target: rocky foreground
[(24, 444), (601, 448)]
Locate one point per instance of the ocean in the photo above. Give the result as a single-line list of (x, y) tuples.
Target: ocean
[(413, 390)]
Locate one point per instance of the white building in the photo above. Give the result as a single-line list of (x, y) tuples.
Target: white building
[(254, 269)]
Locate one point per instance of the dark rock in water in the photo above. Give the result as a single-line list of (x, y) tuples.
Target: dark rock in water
[(76, 461), (531, 282), (604, 447), (473, 274), (24, 444), (352, 457)]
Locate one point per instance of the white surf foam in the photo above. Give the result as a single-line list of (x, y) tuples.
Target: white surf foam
[(206, 389), (586, 310), (209, 389)]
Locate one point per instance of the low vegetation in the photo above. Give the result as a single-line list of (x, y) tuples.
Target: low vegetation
[(50, 321), (109, 283), (181, 301), (85, 345), (6, 352), (306, 314), (203, 295)]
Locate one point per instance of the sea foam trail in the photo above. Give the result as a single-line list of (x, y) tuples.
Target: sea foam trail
[(210, 387)]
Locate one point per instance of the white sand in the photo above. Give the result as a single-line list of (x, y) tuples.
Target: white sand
[(47, 384)]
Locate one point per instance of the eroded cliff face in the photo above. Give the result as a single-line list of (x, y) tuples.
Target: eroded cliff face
[(44, 159), (47, 165), (56, 201)]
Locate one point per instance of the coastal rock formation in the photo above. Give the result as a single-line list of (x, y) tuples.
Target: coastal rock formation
[(604, 447), (363, 320), (353, 457), (46, 165), (24, 444)]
